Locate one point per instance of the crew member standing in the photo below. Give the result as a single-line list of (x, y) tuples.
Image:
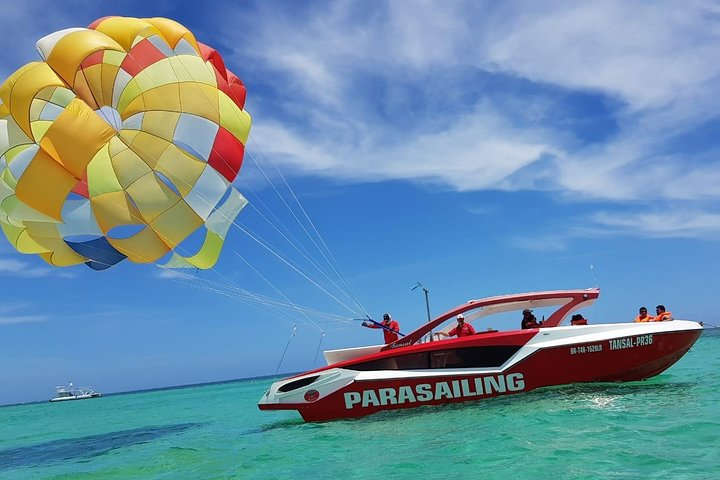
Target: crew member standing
[(390, 328)]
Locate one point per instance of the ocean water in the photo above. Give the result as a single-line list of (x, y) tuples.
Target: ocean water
[(667, 427)]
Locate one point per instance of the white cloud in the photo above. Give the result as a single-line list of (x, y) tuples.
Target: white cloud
[(644, 53), (419, 92), (13, 320), (17, 268), (658, 224), (343, 63), (9, 316), (468, 155)]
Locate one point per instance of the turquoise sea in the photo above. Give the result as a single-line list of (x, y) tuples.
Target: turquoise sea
[(667, 427)]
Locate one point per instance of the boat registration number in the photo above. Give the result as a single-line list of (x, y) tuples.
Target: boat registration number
[(585, 349)]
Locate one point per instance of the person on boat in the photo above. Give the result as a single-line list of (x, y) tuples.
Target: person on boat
[(461, 330), (578, 319), (662, 315), (643, 316), (389, 326), (529, 320)]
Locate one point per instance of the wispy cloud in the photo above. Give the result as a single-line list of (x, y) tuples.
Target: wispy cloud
[(421, 93), (655, 224), (475, 96), (12, 320), (9, 314), (16, 268)]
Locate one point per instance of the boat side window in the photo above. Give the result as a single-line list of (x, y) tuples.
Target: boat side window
[(470, 357)]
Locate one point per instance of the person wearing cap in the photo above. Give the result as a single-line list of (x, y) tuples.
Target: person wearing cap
[(643, 316), (462, 329), (578, 319), (662, 315), (390, 328), (529, 320)]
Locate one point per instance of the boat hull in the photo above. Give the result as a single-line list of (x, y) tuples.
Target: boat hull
[(543, 357), (76, 397)]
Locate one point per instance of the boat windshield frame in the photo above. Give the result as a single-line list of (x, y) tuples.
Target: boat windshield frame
[(567, 301)]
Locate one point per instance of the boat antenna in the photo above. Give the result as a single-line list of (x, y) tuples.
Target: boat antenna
[(427, 302), (286, 348)]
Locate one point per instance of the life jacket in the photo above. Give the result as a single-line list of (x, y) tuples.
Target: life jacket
[(646, 318), (582, 321), (464, 331), (663, 317), (391, 337)]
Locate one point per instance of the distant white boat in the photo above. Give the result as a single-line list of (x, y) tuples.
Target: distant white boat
[(69, 392)]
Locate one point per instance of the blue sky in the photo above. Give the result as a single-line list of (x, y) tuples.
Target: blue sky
[(480, 148)]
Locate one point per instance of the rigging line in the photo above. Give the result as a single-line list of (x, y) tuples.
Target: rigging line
[(240, 294), (258, 199), (269, 282), (297, 201), (293, 240), (337, 271), (310, 260), (265, 308), (234, 222), (286, 347), (288, 308), (288, 263), (255, 304), (261, 298), (318, 349), (295, 243)]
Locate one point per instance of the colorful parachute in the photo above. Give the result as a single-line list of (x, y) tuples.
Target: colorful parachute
[(122, 143)]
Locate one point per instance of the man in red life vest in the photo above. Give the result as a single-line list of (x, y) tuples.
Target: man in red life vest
[(390, 328), (461, 330), (662, 315), (643, 316)]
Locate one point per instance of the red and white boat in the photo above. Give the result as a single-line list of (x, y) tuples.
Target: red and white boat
[(411, 372)]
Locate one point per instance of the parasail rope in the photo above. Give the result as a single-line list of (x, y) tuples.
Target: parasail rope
[(333, 264), (286, 348), (305, 254), (291, 265), (322, 335)]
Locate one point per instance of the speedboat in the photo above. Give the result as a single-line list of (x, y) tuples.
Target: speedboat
[(418, 370), (64, 393)]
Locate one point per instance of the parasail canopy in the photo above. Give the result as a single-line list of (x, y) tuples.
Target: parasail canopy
[(123, 142)]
